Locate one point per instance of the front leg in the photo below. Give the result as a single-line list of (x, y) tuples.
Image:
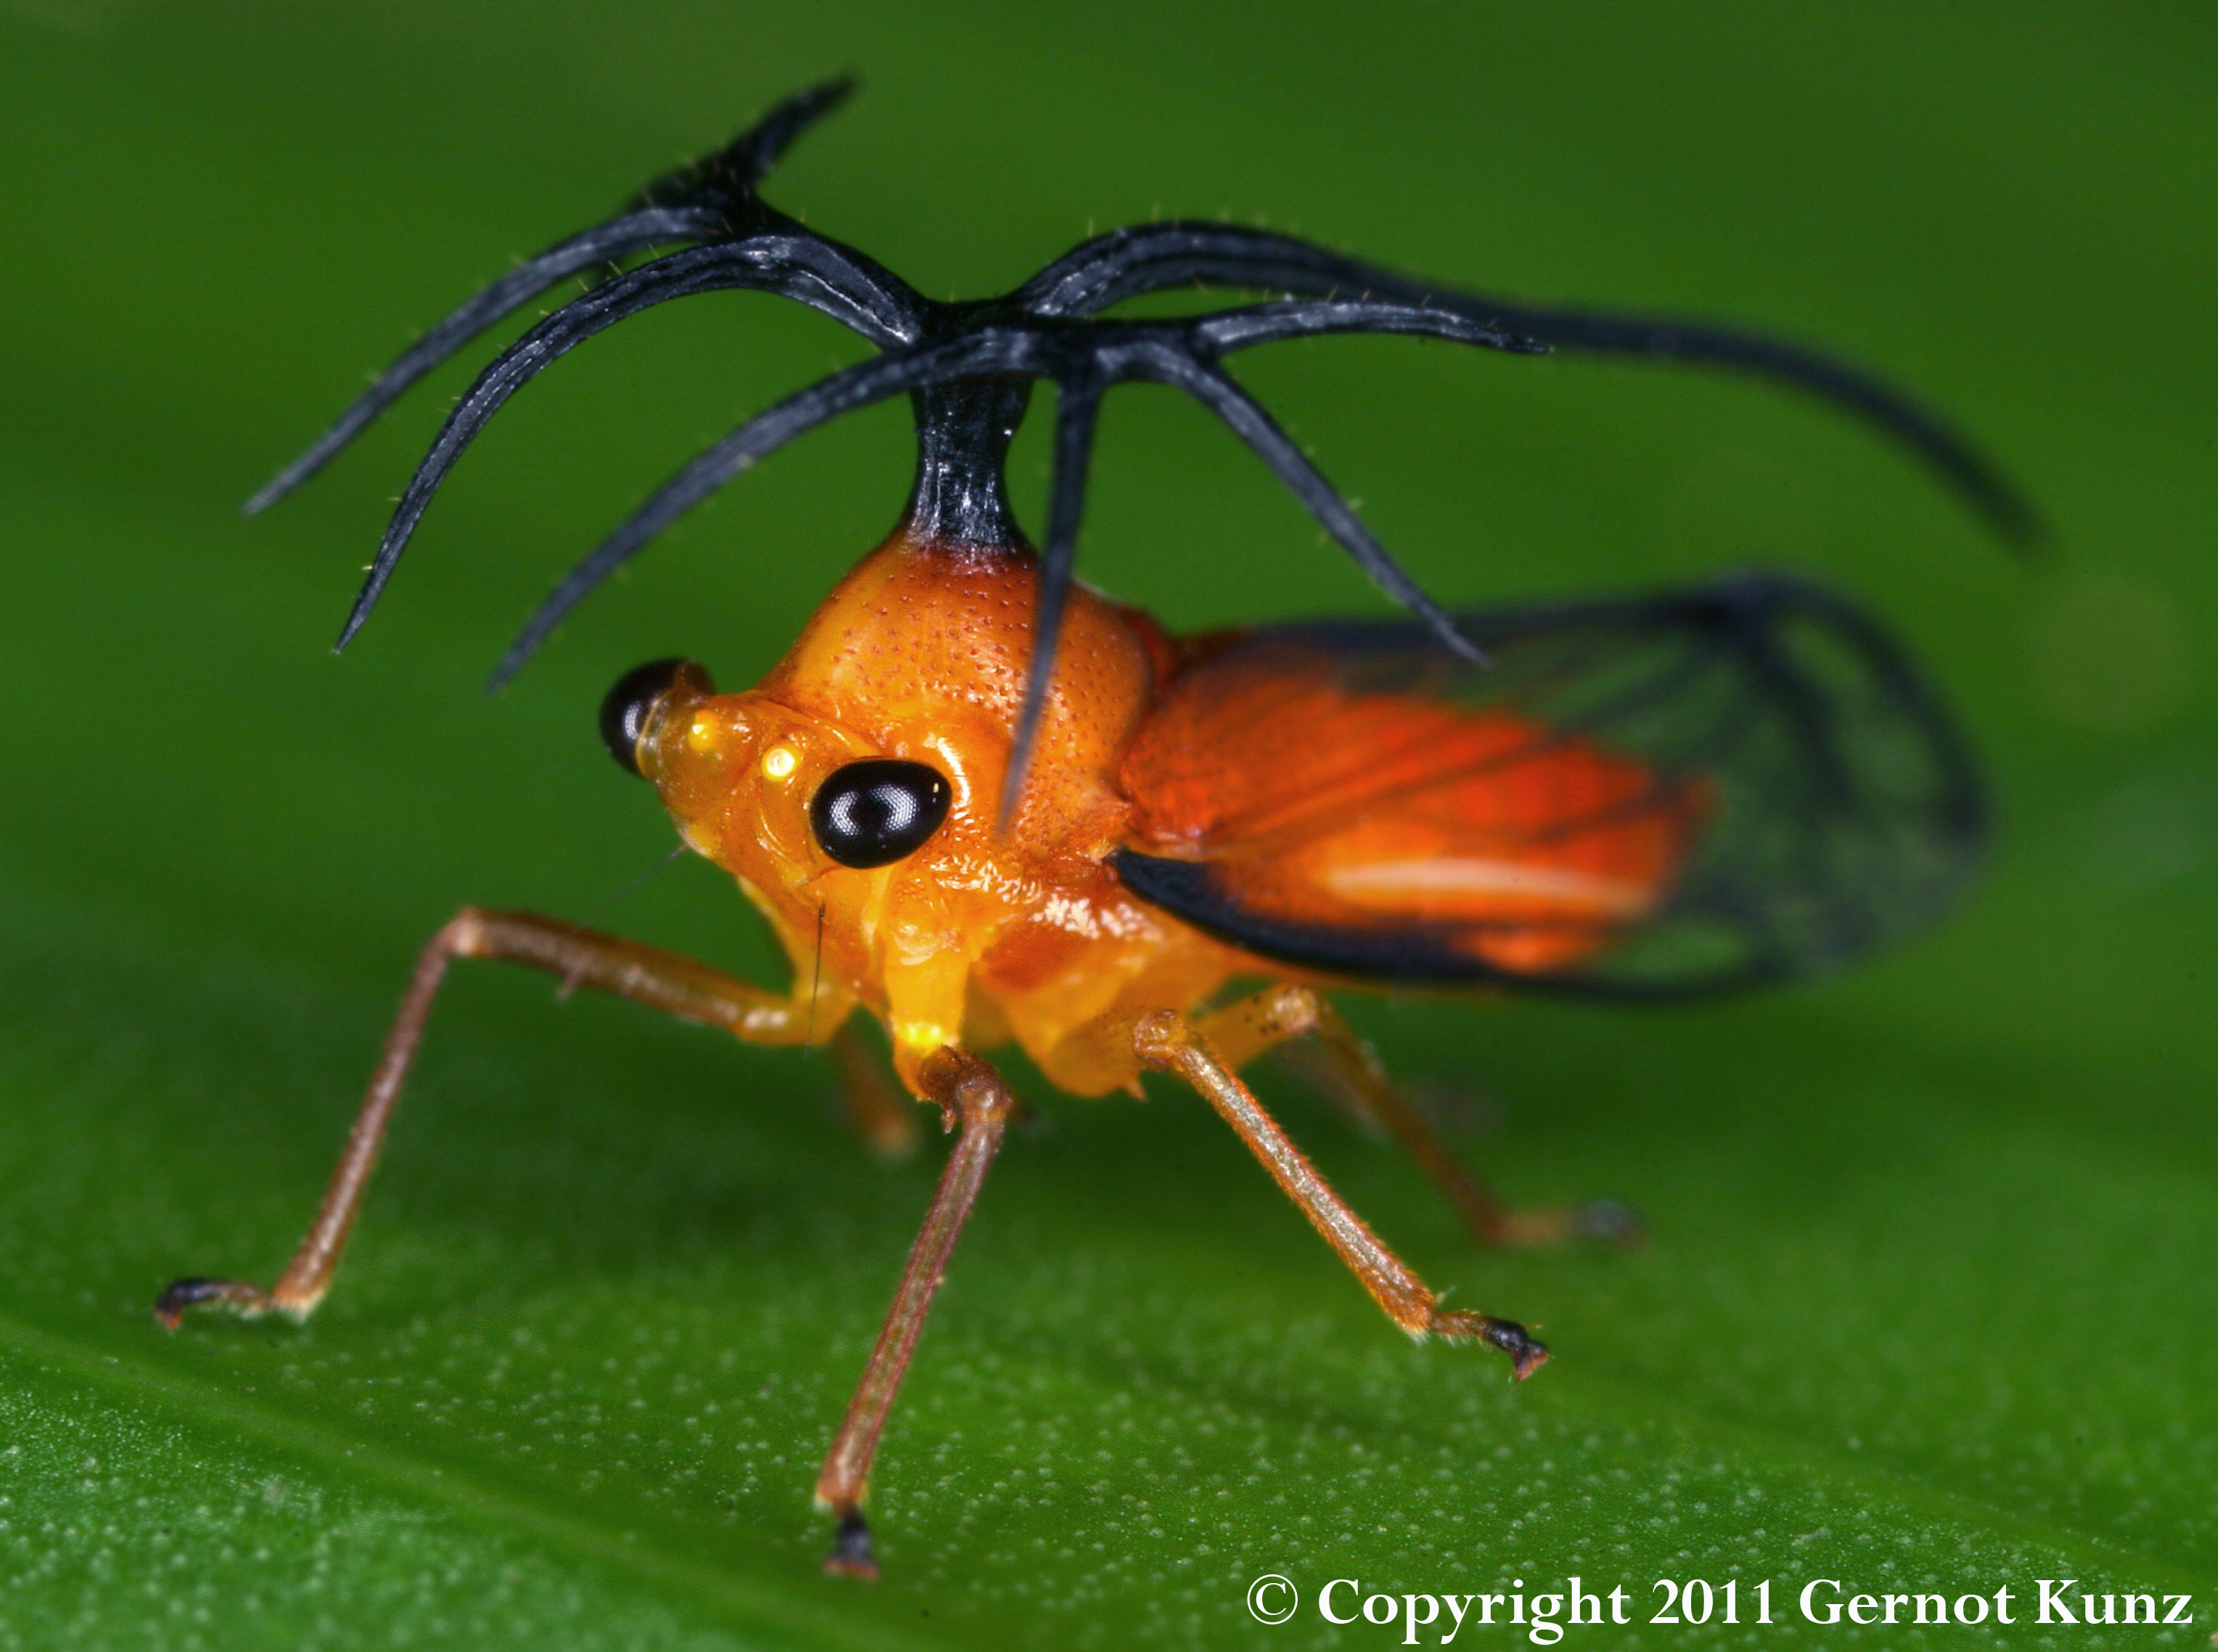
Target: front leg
[(971, 1093), (582, 957)]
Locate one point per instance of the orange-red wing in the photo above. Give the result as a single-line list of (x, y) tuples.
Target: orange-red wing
[(1325, 804), (1648, 797)]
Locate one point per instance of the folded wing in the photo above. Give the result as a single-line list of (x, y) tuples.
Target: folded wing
[(1648, 797)]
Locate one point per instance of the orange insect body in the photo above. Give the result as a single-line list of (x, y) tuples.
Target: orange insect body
[(921, 653), (984, 934), (982, 803)]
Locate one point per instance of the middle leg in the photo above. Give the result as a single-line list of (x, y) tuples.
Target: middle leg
[(1203, 1055), (877, 1109), (1348, 1070)]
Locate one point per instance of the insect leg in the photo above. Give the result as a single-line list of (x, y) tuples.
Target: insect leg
[(1348, 1070), (582, 957), (880, 1112), (1166, 1041), (968, 1091)]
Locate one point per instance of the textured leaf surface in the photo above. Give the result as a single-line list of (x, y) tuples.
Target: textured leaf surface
[(1928, 1305)]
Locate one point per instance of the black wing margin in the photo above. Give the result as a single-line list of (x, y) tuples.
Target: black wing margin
[(1843, 810)]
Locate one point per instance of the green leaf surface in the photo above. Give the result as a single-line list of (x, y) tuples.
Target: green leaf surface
[(1928, 1303)]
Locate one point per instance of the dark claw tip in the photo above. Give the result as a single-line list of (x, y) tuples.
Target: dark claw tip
[(169, 1307), (1525, 1355), (851, 1554)]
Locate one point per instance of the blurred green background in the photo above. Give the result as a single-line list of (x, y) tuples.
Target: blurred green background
[(1928, 1301)]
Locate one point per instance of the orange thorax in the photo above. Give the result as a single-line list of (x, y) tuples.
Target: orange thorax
[(920, 653)]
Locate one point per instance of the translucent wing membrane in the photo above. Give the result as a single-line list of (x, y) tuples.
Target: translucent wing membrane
[(1649, 798), (1048, 329)]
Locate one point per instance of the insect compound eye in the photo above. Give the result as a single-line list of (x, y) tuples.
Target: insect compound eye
[(625, 711), (873, 812)]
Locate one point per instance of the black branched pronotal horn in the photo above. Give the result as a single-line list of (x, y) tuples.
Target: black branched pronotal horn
[(1050, 329), (1152, 258), (709, 198)]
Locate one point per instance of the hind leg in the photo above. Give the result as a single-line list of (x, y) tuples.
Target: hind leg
[(1348, 1070)]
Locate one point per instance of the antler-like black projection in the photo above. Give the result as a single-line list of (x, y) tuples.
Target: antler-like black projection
[(967, 368)]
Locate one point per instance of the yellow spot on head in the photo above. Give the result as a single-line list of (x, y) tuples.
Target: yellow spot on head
[(704, 735), (922, 1035), (779, 763)]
